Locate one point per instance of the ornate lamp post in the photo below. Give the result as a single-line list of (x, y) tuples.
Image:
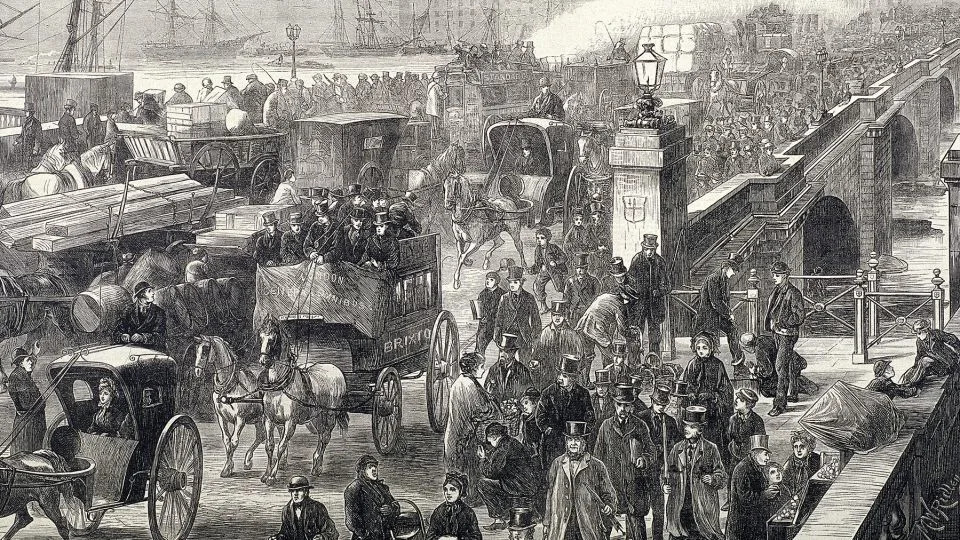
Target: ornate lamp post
[(822, 57), (943, 32), (649, 68), (293, 33), (901, 36)]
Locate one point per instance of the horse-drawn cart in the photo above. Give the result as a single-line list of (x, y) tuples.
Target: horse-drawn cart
[(155, 458), (376, 327), (249, 164)]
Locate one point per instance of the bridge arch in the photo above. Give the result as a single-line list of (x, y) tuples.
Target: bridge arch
[(948, 103), (831, 239), (904, 149)]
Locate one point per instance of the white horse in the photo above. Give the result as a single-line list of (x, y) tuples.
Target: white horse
[(57, 174), (230, 380), (293, 396)]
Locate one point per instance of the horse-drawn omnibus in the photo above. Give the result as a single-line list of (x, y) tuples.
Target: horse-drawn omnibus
[(156, 457)]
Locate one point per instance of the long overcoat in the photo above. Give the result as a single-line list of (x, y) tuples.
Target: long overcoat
[(517, 314), (684, 476), (471, 409), (557, 407), (745, 521), (591, 489), (613, 449), (714, 303)]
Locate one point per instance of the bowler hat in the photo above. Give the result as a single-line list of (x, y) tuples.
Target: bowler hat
[(618, 348), (576, 429), (531, 393), (383, 218), (681, 389), (780, 267), (354, 190), (649, 241), (617, 268), (735, 261), (252, 77), (270, 217), (521, 519), (515, 273), (570, 364), (558, 307), (602, 376), (747, 395), (509, 342), (19, 355), (299, 482), (695, 415), (624, 393), (660, 395), (583, 260), (880, 367), (141, 288), (179, 87), (296, 218), (760, 442), (748, 341)]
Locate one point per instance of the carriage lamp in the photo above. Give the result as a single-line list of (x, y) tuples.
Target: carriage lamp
[(293, 34), (649, 68)]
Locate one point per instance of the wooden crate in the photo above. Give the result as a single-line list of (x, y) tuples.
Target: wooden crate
[(196, 131), (250, 217), (49, 91), (189, 114)]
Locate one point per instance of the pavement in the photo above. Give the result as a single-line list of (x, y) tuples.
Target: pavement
[(243, 507)]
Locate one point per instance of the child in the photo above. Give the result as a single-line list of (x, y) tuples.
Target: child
[(778, 493), (743, 424), (883, 374), (530, 433), (488, 299)]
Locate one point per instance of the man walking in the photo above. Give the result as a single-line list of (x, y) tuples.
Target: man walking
[(664, 434), (556, 340), (487, 300), (564, 401), (713, 311), (581, 289), (785, 315), (549, 265), (30, 420), (647, 278), (517, 313), (68, 132)]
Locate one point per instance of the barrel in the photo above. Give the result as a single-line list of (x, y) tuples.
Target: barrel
[(97, 309), (194, 302), (156, 267)]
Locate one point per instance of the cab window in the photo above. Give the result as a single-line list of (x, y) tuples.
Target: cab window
[(82, 391)]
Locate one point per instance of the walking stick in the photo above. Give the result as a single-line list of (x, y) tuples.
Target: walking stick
[(663, 422)]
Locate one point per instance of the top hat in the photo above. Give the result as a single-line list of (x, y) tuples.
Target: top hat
[(140, 288), (747, 395), (760, 442), (544, 82), (299, 482), (735, 261), (624, 393), (921, 325), (748, 341), (508, 342), (410, 197), (321, 207), (695, 414), (515, 273), (602, 376), (583, 260), (359, 212), (649, 241), (507, 263), (576, 429), (226, 79), (296, 218), (779, 267), (880, 367), (617, 268), (660, 395), (383, 218), (354, 190), (618, 348), (70, 103), (681, 389), (521, 519), (270, 217), (252, 77), (19, 355), (558, 307), (29, 106), (320, 193), (570, 364)]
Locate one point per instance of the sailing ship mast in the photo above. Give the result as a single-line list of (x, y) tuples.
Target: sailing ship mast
[(339, 30), (11, 20), (367, 26), (71, 59)]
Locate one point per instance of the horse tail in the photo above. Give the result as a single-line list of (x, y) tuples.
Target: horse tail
[(343, 421)]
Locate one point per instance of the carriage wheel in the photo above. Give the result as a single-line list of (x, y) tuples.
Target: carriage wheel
[(219, 161), (175, 479), (264, 180), (387, 411), (443, 369), (80, 523), (573, 197)]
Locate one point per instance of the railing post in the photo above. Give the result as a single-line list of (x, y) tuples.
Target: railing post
[(860, 338), (753, 296), (937, 295), (873, 286), (666, 336)]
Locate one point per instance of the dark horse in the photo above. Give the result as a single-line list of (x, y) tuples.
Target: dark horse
[(476, 221)]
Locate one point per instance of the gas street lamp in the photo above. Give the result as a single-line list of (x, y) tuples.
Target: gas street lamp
[(293, 33), (649, 67)]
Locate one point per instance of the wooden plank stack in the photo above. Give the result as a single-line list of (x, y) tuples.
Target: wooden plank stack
[(238, 227), (89, 216), (192, 120)]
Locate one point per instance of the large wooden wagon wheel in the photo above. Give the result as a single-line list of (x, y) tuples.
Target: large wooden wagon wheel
[(265, 179), (574, 197), (387, 412), (443, 369), (218, 161), (175, 479), (80, 523)]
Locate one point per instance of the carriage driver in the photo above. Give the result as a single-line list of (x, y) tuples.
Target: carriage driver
[(142, 323)]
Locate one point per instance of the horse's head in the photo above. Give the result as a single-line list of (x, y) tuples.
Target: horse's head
[(269, 340), (585, 148), (202, 354), (451, 188)]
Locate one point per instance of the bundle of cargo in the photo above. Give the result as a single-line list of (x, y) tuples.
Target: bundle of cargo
[(687, 47), (237, 228), (195, 120), (89, 216)]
